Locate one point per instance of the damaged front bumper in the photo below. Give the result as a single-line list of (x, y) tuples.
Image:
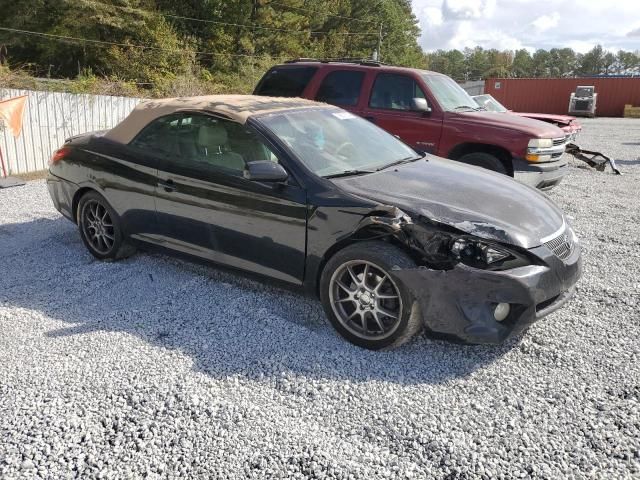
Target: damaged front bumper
[(543, 176), (459, 303)]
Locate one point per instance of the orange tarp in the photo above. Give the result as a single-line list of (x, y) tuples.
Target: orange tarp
[(11, 111)]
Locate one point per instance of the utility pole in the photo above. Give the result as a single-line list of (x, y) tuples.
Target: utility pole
[(254, 17), (378, 55)]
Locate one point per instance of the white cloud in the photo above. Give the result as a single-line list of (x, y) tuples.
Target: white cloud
[(466, 36), (530, 24), (432, 15), (466, 9), (545, 22)]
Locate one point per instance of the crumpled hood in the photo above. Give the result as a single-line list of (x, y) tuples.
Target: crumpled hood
[(528, 126), (473, 200), (560, 119)]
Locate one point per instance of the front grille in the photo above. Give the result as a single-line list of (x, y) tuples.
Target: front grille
[(561, 246), (559, 141)]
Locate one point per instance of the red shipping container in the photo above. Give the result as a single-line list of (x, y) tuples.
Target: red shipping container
[(551, 95)]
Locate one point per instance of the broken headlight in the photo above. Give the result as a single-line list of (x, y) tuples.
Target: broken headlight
[(478, 254), (443, 250)]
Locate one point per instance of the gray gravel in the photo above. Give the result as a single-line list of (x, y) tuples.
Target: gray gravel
[(158, 367)]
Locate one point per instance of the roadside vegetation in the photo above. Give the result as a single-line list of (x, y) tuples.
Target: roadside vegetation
[(159, 48), (478, 63)]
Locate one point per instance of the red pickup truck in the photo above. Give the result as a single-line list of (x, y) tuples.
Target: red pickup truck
[(430, 112)]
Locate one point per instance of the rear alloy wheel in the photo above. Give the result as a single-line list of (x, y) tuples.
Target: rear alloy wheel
[(100, 228), (365, 303), (484, 160)]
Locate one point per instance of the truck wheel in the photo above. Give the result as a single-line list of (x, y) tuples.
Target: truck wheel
[(484, 160), (366, 304)]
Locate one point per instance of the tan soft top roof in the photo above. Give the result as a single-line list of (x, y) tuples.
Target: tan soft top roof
[(238, 108)]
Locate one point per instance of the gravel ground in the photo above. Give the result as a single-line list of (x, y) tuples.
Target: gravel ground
[(158, 367)]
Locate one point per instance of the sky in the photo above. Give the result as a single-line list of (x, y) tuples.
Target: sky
[(530, 24)]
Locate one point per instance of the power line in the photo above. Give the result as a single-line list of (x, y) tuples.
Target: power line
[(104, 43), (378, 52), (320, 12), (117, 44), (254, 26), (260, 27)]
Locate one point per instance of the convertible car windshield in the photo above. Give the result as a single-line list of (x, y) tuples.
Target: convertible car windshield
[(332, 142)]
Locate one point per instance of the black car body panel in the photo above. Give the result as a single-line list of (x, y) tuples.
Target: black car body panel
[(288, 231), (458, 303), (449, 194)]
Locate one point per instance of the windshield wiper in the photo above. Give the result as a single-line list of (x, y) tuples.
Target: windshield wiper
[(349, 173), (401, 161), (468, 107)]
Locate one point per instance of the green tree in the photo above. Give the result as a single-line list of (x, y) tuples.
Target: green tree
[(498, 63), (457, 65), (477, 61), (449, 62), (130, 24), (522, 65), (592, 62), (626, 61), (561, 62), (540, 63), (228, 44), (608, 61)]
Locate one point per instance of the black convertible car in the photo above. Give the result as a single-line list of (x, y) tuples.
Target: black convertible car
[(390, 239)]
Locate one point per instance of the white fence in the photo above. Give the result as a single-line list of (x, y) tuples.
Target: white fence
[(52, 117)]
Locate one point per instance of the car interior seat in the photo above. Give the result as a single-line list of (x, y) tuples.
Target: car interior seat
[(213, 148)]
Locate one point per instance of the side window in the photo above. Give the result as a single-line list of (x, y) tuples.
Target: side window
[(394, 92), (285, 82), (341, 88), (245, 142), (201, 142), (159, 136)]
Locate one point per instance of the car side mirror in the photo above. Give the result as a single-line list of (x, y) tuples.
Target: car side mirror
[(420, 105), (265, 171)]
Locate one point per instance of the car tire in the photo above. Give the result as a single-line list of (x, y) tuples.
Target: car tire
[(484, 160), (374, 302), (101, 228)]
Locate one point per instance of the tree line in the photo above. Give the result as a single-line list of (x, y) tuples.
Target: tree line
[(154, 41), (478, 63), (168, 47)]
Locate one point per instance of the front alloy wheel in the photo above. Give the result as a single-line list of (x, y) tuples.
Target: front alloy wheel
[(365, 300)]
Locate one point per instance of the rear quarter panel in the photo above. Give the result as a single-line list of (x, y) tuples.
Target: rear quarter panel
[(127, 183)]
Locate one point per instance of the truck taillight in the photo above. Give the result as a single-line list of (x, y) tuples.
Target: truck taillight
[(59, 155)]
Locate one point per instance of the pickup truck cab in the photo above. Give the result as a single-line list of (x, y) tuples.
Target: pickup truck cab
[(431, 113)]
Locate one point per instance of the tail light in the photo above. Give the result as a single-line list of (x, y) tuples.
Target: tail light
[(59, 155)]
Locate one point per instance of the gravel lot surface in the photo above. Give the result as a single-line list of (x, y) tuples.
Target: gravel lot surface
[(158, 367)]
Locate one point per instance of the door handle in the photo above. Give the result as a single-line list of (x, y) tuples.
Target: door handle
[(371, 119), (168, 185)]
